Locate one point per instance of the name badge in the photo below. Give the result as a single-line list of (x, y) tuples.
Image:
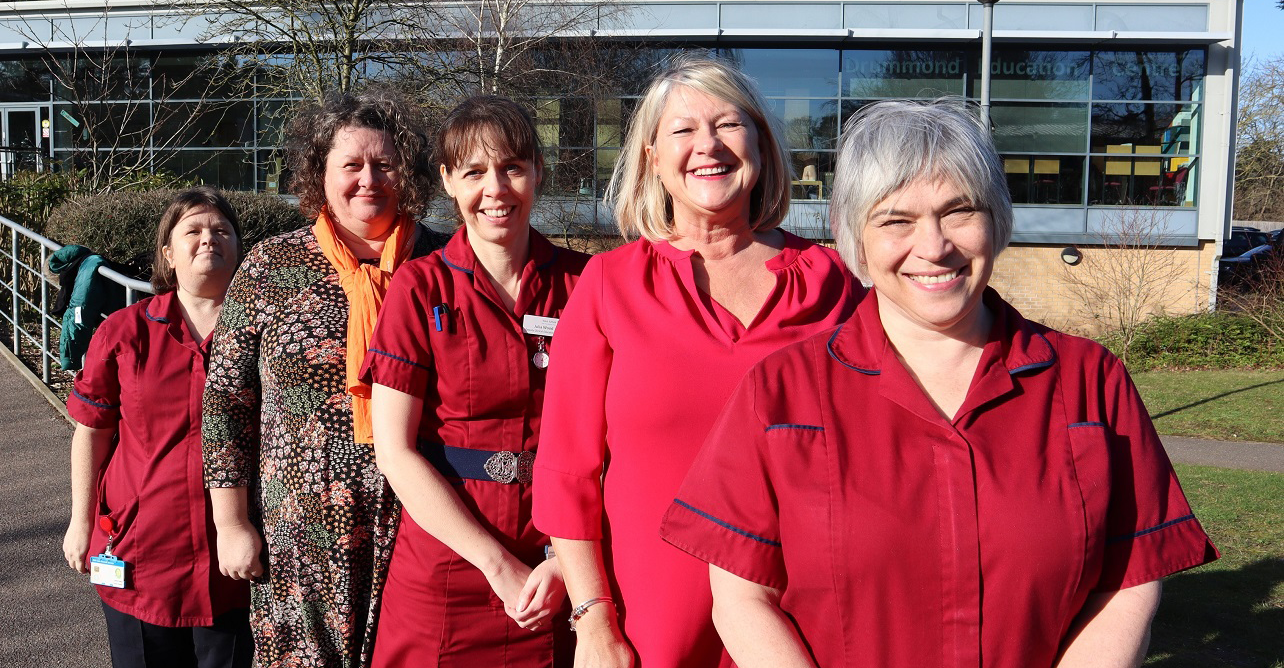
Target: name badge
[(107, 571), (538, 325)]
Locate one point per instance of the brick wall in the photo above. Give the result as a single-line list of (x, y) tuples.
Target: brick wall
[(1033, 278)]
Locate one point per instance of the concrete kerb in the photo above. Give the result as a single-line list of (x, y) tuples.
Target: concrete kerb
[(41, 389)]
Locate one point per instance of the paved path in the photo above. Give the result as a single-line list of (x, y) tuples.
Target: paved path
[(50, 616)]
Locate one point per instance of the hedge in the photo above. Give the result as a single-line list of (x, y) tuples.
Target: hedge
[(1218, 340), (121, 226)]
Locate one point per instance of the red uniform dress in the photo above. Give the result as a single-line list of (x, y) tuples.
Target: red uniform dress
[(143, 376), (649, 362), (481, 390), (902, 539)]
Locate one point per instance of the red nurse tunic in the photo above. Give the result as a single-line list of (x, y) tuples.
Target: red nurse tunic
[(651, 361), (903, 539), (143, 376), (480, 390)]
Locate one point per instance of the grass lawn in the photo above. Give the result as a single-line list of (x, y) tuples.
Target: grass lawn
[(1237, 405), (1230, 612)]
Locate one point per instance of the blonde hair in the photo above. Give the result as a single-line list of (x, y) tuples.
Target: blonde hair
[(642, 205)]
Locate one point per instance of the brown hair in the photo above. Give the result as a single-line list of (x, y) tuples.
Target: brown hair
[(163, 278), (487, 122), (309, 136)]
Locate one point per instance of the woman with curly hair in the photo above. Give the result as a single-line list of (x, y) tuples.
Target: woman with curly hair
[(287, 438)]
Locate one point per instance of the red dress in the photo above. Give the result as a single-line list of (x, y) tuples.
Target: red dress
[(652, 360), (902, 539), (143, 376), (480, 391)]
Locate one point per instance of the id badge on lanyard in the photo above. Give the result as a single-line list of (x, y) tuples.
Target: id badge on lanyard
[(106, 569)]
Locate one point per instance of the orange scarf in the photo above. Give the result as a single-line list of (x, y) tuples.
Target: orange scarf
[(364, 285)]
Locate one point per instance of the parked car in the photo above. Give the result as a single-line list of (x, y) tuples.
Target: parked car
[(1243, 239), (1240, 270)]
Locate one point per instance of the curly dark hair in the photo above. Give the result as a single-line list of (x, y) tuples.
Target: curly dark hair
[(309, 136)]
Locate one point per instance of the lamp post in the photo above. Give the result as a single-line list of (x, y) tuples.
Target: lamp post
[(987, 39)]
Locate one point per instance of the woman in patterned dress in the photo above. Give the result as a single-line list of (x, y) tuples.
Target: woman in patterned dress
[(287, 432)]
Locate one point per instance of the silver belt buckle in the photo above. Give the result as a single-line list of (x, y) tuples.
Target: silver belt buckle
[(510, 467)]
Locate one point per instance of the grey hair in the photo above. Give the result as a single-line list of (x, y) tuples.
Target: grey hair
[(887, 145), (642, 205)]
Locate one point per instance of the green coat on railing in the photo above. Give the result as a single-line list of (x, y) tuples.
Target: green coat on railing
[(88, 301)]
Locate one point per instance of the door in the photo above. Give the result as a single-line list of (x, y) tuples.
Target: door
[(20, 141)]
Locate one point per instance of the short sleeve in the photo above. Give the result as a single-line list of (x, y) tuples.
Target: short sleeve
[(1150, 529), (726, 512), (400, 355), (95, 394), (231, 403), (568, 468)]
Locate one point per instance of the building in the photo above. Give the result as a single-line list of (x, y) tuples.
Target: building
[(1108, 112)]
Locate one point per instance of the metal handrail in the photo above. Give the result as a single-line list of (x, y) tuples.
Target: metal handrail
[(19, 294)]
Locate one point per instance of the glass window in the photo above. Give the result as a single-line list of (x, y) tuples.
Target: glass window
[(1145, 128), (606, 159), (1120, 177), (230, 170), (1040, 126), (23, 81), (564, 122), (198, 77), (790, 72), (1045, 179), (270, 171), (904, 73), (208, 124), (1036, 75), (101, 126), (569, 173), (88, 77), (613, 118), (813, 174), (272, 115), (808, 123), (1148, 75)]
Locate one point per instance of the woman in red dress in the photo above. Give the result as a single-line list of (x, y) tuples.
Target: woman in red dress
[(457, 365), (659, 332), (137, 489), (937, 482)]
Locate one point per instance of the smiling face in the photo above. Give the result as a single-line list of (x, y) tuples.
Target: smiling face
[(929, 253), (706, 154), (494, 193), (202, 247), (361, 181)]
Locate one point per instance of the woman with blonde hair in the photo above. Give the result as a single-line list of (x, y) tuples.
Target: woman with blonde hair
[(657, 333)]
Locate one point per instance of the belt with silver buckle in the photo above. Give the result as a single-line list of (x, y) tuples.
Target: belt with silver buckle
[(499, 466)]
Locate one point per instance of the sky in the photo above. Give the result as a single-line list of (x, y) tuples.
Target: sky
[(1263, 29)]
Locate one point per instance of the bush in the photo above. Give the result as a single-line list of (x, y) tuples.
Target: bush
[(121, 225), (1218, 340), (27, 197)]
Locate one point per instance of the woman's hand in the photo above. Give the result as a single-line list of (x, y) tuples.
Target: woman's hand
[(599, 642), (541, 596), (506, 579), (75, 544), (239, 546)]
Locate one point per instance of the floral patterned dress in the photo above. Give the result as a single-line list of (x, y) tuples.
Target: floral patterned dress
[(278, 420)]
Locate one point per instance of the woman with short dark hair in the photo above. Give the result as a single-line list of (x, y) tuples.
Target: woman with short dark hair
[(938, 481), (458, 365), (140, 507), (288, 447)]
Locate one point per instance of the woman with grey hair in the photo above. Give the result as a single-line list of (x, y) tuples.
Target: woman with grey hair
[(938, 481), (287, 433), (656, 336)]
